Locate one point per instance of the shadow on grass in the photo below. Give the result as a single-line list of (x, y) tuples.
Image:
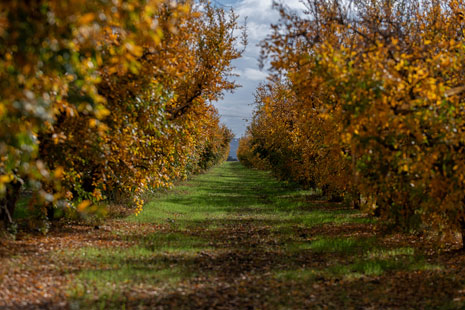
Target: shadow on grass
[(239, 239)]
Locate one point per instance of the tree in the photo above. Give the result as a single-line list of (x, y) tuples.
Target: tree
[(110, 99), (378, 90)]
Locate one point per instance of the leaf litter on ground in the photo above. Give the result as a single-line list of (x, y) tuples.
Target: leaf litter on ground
[(232, 238)]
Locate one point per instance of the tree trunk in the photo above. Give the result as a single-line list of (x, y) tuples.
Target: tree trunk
[(51, 213), (8, 204), (356, 202), (462, 231)]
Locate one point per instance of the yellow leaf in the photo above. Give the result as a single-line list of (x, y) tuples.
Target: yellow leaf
[(92, 122), (59, 172), (6, 178), (102, 112), (83, 205), (86, 18)]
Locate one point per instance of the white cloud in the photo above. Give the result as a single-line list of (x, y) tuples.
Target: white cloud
[(236, 107), (257, 10), (254, 74), (257, 31)]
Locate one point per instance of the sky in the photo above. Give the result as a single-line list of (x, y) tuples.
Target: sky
[(235, 109)]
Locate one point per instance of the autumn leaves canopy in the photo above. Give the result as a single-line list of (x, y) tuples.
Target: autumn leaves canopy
[(366, 102), (100, 99)]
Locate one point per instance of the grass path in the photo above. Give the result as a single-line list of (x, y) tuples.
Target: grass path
[(233, 238)]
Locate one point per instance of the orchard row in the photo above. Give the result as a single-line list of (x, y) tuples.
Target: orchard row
[(366, 102), (108, 99)]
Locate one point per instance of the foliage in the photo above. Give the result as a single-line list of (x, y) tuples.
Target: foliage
[(367, 102), (104, 99), (247, 156)]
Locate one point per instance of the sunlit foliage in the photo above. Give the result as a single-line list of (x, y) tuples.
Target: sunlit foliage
[(367, 102), (100, 99)]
